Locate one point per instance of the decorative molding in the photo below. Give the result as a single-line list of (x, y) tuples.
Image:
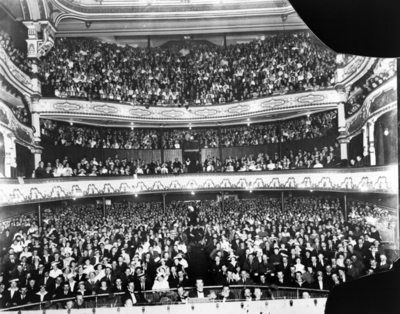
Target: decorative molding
[(23, 134), (10, 69), (378, 102), (355, 69), (371, 180), (317, 99)]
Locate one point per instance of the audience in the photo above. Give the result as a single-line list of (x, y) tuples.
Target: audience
[(202, 75), (17, 56), (380, 72), (137, 247)]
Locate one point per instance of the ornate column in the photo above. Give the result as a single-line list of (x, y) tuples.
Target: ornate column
[(343, 141), (339, 68), (365, 142), (371, 130), (10, 151), (38, 47)]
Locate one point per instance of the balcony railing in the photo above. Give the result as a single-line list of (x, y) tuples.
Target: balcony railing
[(371, 180), (283, 296), (16, 72)]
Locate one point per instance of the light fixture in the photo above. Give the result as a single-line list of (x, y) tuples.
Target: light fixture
[(74, 198), (192, 192), (248, 119), (131, 127), (132, 123), (135, 195), (251, 191), (71, 123), (248, 124), (386, 132), (311, 191)]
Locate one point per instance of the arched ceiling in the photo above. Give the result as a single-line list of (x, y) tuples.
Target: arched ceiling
[(100, 18)]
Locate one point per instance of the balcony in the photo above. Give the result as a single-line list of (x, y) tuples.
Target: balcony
[(262, 108), (368, 180)]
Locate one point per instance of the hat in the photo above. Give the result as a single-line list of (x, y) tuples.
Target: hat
[(14, 280), (97, 265), (54, 263)]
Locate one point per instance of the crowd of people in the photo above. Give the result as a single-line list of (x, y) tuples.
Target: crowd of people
[(325, 157), (175, 76), (17, 56), (132, 249), (312, 126), (315, 125), (383, 70)]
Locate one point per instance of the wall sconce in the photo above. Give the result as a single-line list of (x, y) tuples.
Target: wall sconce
[(386, 132), (192, 307), (217, 305), (168, 308), (94, 310), (291, 302), (266, 303), (143, 309), (315, 302), (242, 305), (88, 24)]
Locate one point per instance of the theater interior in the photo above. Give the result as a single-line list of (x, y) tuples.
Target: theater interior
[(188, 156)]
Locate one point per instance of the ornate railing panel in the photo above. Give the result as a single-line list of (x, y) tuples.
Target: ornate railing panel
[(307, 100), (376, 179), (10, 68), (379, 101)]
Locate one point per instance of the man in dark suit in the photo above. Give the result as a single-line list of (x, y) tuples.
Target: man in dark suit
[(12, 295), (65, 292), (109, 277), (144, 283), (199, 292), (281, 281), (47, 280), (321, 283), (137, 298), (92, 284), (40, 171), (80, 303), (226, 294), (57, 287), (244, 279), (182, 280), (300, 282), (173, 277), (80, 276), (23, 296)]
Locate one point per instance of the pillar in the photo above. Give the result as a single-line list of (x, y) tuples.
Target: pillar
[(341, 118), (222, 201), (339, 68), (39, 215), (162, 144), (372, 155), (280, 140), (365, 143), (104, 206), (148, 42), (163, 201), (225, 40), (10, 153), (283, 200), (345, 207)]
